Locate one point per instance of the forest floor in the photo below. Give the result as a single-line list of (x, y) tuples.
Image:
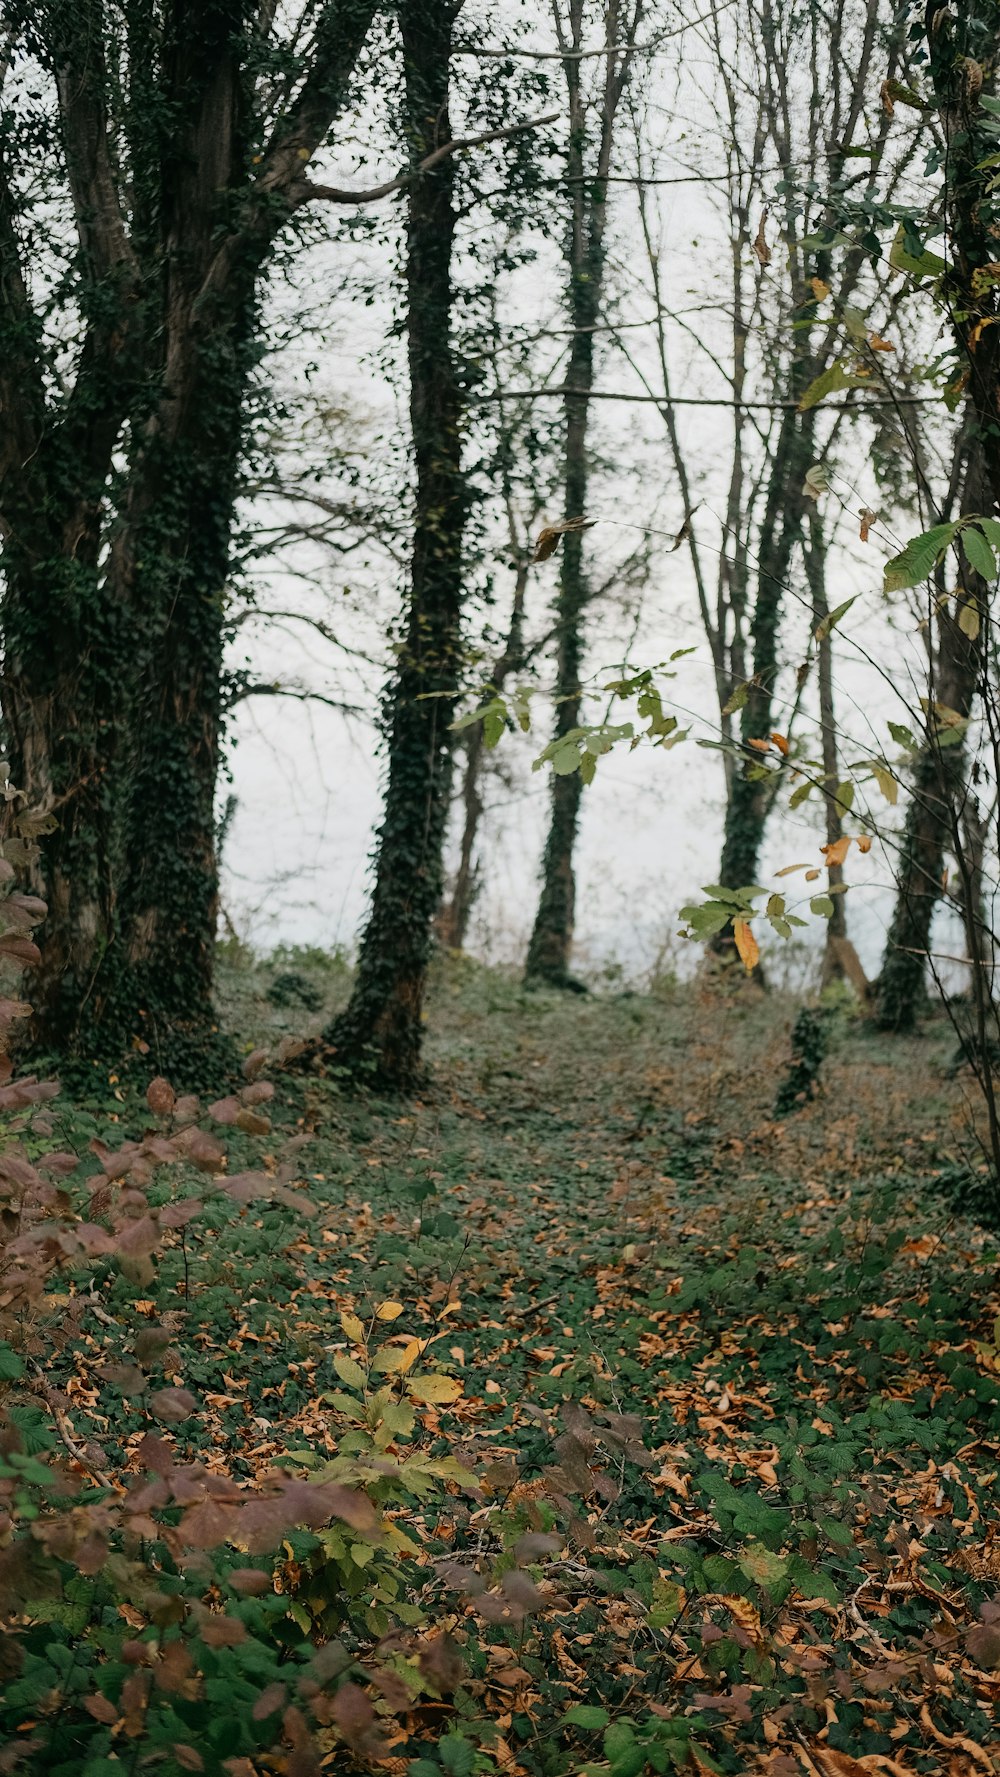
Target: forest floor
[(745, 1366)]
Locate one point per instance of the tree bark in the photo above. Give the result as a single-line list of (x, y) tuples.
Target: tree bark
[(380, 1032)]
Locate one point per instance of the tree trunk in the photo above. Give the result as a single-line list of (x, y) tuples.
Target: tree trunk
[(456, 910), (380, 1031), (749, 800), (836, 927), (941, 771), (551, 938)]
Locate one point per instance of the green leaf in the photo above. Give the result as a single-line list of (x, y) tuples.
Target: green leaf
[(587, 1716), (831, 620), (978, 553), (457, 1755), (800, 795), (830, 382), (350, 1373), (494, 727), (822, 906), (737, 700), (11, 1366), (902, 736), (919, 558), (923, 265), (762, 1566)]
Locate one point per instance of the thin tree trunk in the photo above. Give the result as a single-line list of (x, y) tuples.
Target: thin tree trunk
[(749, 800), (551, 940), (456, 910), (380, 1031), (836, 928)]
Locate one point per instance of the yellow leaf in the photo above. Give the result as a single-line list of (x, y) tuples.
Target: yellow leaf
[(880, 345), (968, 620), (389, 1310), (435, 1390), (746, 945), (392, 1360), (864, 842), (352, 1327), (811, 875), (977, 331), (819, 289)]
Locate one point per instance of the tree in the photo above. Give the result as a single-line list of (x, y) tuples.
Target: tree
[(587, 197), (962, 56), (381, 1028), (176, 133)]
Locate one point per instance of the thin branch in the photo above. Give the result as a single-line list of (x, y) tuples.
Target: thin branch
[(702, 400), (298, 693), (304, 191)]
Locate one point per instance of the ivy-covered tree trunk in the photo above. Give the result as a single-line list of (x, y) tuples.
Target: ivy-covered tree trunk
[(552, 934), (171, 562), (118, 497), (380, 1032), (64, 641), (939, 786)]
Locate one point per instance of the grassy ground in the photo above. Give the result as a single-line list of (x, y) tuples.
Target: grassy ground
[(745, 1367)]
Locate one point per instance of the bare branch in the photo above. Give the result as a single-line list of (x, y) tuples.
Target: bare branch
[(703, 400), (304, 191), (298, 693)]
